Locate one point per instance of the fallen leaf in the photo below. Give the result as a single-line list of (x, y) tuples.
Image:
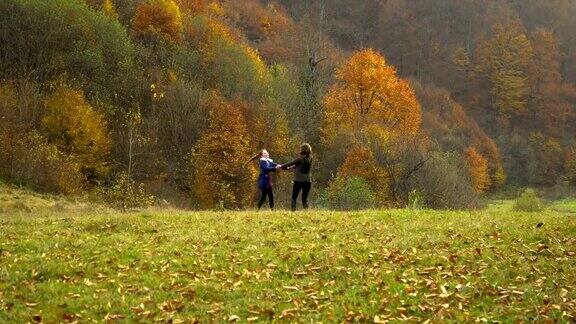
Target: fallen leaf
[(233, 318)]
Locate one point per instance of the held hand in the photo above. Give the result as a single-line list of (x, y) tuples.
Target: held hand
[(278, 166)]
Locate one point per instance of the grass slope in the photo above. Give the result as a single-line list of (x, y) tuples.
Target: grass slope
[(91, 264)]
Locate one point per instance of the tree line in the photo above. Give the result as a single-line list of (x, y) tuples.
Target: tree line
[(145, 101)]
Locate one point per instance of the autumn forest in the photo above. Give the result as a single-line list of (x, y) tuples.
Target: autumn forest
[(143, 102)]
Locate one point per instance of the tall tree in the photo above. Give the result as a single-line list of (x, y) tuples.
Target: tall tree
[(219, 175), (504, 62)]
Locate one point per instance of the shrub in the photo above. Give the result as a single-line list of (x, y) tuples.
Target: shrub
[(20, 106), (415, 200), (350, 194), (528, 202), (360, 163), (445, 184), (126, 194), (29, 160)]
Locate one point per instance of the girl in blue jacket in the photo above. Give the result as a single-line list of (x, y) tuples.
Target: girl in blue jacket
[(264, 181)]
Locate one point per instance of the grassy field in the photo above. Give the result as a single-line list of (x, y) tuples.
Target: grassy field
[(66, 261)]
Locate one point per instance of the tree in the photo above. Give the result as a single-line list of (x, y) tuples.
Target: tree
[(505, 59), (20, 106), (549, 110), (43, 40), (372, 107), (77, 129), (226, 64), (28, 159), (110, 9), (158, 18), (219, 174), (179, 118), (548, 157), (478, 170), (370, 93)]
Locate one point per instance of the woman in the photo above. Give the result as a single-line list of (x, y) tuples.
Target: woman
[(264, 180), (302, 175)]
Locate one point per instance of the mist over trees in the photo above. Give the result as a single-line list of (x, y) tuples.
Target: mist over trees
[(450, 98)]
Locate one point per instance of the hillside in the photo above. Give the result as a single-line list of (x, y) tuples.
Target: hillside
[(446, 100), (510, 64)]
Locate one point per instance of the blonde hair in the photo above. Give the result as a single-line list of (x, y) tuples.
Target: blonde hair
[(258, 155), (306, 148)]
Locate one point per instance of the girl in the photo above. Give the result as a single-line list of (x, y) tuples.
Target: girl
[(264, 180), (302, 175)]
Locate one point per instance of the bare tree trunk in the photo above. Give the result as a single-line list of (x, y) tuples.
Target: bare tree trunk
[(130, 147)]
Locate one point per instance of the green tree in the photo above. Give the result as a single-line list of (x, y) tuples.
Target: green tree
[(42, 40)]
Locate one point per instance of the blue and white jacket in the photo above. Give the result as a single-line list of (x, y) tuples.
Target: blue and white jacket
[(266, 166)]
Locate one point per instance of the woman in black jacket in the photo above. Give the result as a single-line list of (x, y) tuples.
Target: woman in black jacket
[(302, 175)]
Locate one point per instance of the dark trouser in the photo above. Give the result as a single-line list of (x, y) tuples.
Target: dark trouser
[(305, 187), (266, 192)]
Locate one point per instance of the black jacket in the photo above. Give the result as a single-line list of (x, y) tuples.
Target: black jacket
[(302, 168)]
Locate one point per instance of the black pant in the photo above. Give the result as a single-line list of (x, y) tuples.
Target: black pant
[(305, 187), (266, 192)]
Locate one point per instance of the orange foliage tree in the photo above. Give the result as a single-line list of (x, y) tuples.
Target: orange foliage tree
[(360, 163), (371, 107), (370, 93), (158, 17), (77, 129), (478, 169), (219, 173)]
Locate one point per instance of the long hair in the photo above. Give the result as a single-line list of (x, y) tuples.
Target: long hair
[(256, 156), (305, 149)]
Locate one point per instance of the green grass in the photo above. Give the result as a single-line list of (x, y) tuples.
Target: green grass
[(89, 263), (566, 205)]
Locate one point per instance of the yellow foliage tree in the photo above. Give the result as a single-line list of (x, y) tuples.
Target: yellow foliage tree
[(478, 169), (109, 9), (219, 173), (77, 129), (158, 17), (274, 135), (505, 59), (216, 9), (370, 93)]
